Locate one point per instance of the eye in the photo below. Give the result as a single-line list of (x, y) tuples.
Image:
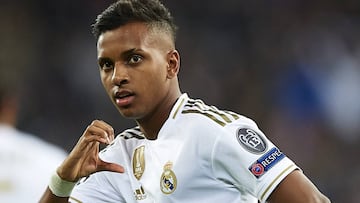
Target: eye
[(134, 59), (106, 64)]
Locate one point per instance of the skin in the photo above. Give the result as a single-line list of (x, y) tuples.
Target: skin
[(297, 188), (9, 110), (138, 68), (143, 66)]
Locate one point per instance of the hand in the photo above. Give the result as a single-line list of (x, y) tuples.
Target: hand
[(84, 158)]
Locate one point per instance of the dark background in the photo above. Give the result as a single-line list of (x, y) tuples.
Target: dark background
[(293, 66)]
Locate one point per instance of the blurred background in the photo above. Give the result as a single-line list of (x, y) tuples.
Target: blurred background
[(293, 66)]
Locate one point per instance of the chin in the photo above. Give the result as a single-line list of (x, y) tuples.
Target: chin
[(128, 114)]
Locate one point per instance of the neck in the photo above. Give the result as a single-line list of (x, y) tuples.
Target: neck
[(151, 125)]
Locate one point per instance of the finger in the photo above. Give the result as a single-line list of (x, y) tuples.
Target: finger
[(106, 166), (106, 127), (95, 133), (82, 151), (112, 137), (102, 124)]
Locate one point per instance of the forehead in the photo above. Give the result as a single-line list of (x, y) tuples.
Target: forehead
[(136, 35), (127, 34)]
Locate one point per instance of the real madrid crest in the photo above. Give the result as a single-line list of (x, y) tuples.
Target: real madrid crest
[(168, 180), (138, 162)]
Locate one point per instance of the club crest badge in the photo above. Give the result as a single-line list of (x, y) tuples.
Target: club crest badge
[(138, 162), (251, 140), (168, 181)]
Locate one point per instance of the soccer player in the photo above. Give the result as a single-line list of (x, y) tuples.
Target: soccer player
[(182, 150)]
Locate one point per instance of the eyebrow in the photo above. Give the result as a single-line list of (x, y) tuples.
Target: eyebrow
[(123, 54), (130, 51), (102, 60)]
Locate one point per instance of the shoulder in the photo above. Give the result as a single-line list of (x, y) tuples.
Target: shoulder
[(132, 133), (201, 112), (125, 142), (203, 121)]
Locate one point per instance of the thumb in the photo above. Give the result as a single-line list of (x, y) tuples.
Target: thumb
[(106, 166)]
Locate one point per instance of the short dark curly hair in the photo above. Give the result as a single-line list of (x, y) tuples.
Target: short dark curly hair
[(152, 12)]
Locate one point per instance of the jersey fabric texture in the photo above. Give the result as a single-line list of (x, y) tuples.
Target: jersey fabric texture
[(202, 154), (27, 163)]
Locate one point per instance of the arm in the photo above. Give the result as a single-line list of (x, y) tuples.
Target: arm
[(48, 196), (297, 188), (84, 159)]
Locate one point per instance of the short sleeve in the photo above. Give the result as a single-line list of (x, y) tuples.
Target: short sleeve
[(244, 157)]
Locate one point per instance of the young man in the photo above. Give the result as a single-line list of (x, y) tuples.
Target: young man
[(182, 149)]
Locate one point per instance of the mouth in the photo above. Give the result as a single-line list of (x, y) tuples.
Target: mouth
[(123, 98)]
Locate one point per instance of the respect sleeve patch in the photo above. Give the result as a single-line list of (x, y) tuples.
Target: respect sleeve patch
[(266, 162)]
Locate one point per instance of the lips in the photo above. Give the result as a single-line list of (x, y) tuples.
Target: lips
[(124, 98)]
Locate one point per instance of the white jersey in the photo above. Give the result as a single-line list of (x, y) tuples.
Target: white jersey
[(26, 165), (202, 154)]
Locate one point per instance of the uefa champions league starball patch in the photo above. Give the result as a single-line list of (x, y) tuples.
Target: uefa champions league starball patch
[(168, 181)]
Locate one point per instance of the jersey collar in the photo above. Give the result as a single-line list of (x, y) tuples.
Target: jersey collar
[(178, 106)]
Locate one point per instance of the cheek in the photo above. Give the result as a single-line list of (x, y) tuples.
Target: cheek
[(154, 74), (153, 86), (106, 82), (157, 80), (103, 80)]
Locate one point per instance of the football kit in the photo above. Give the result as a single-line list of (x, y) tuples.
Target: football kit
[(201, 154)]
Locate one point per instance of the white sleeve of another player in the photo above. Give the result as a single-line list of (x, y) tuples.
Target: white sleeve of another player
[(244, 157)]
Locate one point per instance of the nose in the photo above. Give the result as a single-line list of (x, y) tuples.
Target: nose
[(120, 74)]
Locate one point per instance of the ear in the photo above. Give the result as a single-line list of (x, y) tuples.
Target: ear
[(173, 64)]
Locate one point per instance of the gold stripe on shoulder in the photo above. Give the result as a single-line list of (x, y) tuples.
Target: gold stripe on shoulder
[(212, 117), (221, 117)]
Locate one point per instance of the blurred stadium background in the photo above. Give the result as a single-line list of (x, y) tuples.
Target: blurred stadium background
[(293, 66)]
